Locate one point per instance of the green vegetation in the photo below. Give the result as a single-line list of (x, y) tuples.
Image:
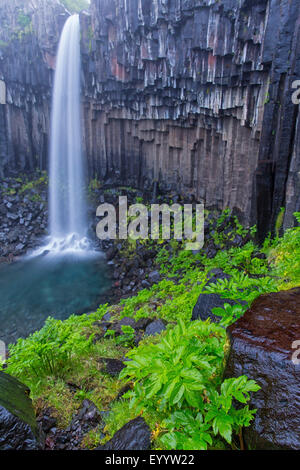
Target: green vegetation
[(76, 6), (34, 184), (23, 20), (93, 185), (176, 377), (3, 44), (180, 377), (285, 257), (24, 25), (279, 221), (28, 187)]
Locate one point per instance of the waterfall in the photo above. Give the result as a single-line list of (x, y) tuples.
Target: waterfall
[(66, 177)]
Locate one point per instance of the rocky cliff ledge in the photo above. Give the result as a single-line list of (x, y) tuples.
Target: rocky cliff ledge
[(194, 94)]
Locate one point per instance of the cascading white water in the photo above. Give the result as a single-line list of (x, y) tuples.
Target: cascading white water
[(66, 178)]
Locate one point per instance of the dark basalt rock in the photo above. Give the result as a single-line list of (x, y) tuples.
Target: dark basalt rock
[(205, 304), (87, 417), (142, 323), (262, 348), (155, 327), (135, 435), (154, 277), (106, 317), (112, 366), (111, 253), (217, 274), (18, 426)]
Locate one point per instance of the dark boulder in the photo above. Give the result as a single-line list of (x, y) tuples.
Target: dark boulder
[(217, 274), (111, 253), (154, 277), (116, 326), (205, 304), (262, 343), (106, 317), (155, 327), (18, 426), (135, 435), (112, 366), (142, 323)]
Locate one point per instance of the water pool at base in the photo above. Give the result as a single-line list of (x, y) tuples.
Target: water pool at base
[(35, 288)]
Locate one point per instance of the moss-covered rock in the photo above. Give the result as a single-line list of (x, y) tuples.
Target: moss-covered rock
[(18, 427)]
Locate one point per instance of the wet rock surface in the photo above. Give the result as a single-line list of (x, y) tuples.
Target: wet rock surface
[(206, 303), (135, 435), (155, 327), (18, 426), (262, 348)]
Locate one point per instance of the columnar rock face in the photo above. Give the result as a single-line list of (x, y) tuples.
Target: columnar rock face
[(29, 33), (264, 345), (194, 94)]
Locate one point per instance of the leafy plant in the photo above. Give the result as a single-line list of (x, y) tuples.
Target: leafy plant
[(178, 368), (297, 217), (180, 376), (128, 336), (241, 287), (126, 339), (176, 377), (46, 352), (230, 313), (189, 430)]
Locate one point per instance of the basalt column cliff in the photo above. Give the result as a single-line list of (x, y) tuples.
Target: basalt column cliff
[(193, 94)]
